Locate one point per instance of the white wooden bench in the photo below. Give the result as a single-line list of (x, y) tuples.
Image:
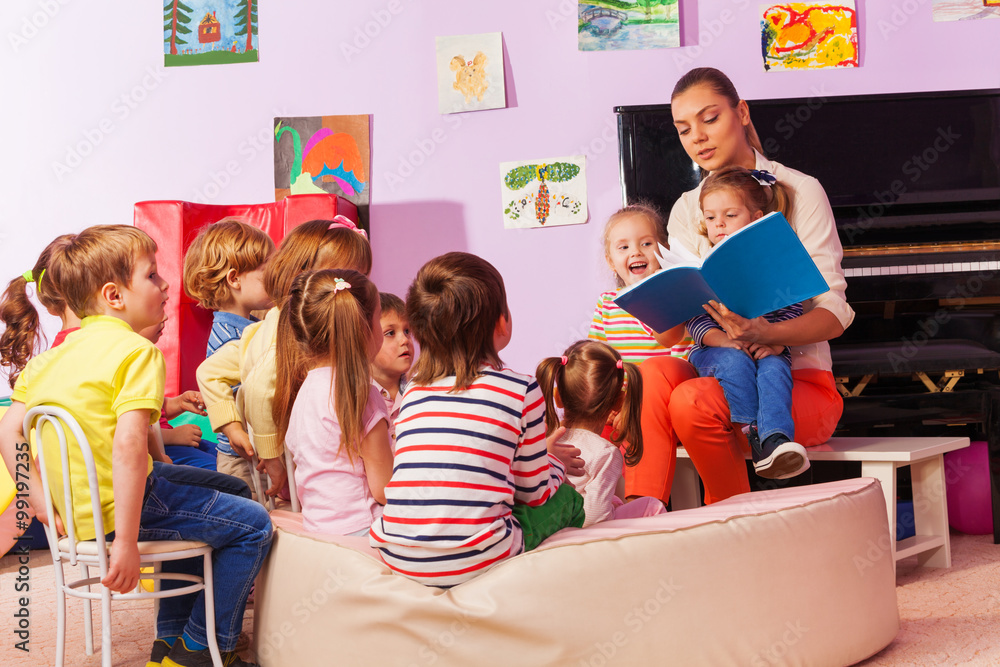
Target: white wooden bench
[(879, 457)]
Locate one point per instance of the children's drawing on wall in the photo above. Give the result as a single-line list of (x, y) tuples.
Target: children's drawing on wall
[(617, 25), (329, 154), (964, 10), (544, 193), (809, 35), (209, 32), (470, 72)]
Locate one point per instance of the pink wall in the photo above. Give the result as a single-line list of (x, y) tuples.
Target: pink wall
[(204, 133)]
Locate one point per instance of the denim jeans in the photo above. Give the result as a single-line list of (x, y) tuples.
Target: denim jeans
[(239, 531), (757, 390), (195, 476), (202, 456)]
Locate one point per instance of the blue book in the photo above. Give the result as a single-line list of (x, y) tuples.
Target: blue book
[(756, 270)]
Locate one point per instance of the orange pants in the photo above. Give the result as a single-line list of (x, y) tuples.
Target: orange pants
[(680, 407)]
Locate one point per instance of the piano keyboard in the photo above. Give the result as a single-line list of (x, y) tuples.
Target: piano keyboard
[(908, 269)]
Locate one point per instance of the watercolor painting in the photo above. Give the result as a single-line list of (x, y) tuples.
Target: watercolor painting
[(966, 10), (329, 154), (470, 73), (544, 193), (809, 35), (619, 25), (209, 32)]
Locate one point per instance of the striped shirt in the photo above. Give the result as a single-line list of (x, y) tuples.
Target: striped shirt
[(700, 325), (633, 339), (225, 327), (462, 460)]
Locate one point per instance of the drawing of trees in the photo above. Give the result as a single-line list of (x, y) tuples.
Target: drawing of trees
[(176, 13), (246, 21)]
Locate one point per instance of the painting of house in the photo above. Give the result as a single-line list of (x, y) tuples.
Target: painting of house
[(209, 30)]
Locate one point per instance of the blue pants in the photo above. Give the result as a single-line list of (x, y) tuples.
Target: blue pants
[(757, 390), (202, 456), (195, 476), (239, 531)]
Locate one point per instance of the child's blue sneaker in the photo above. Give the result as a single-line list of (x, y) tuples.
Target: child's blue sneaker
[(777, 457)]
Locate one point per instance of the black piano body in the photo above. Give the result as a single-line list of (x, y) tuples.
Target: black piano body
[(914, 182)]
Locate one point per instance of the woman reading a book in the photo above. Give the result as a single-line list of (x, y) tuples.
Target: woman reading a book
[(716, 131)]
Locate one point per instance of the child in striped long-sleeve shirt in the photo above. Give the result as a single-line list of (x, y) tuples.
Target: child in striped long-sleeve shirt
[(472, 481), (756, 378), (630, 239)]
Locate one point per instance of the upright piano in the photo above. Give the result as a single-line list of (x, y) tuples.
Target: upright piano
[(914, 182)]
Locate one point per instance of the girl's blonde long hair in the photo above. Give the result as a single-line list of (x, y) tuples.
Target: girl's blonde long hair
[(755, 196), (593, 381), (326, 320)]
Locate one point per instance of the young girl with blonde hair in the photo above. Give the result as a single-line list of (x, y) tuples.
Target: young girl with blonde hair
[(594, 387), (756, 378), (330, 417)]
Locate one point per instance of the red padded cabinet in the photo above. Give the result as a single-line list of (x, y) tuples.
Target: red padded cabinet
[(174, 225)]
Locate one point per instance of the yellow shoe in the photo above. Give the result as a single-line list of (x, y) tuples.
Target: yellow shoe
[(160, 650)]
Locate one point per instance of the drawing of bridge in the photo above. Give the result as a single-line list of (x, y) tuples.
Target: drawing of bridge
[(603, 20)]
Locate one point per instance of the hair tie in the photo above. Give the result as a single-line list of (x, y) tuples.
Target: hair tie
[(339, 284), (763, 177), (346, 223), (28, 276), (564, 359)]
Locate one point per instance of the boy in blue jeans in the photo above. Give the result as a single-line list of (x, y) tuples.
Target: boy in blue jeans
[(111, 379)]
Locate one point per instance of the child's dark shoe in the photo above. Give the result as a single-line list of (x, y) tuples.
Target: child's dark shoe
[(181, 656), (778, 457), (160, 650)]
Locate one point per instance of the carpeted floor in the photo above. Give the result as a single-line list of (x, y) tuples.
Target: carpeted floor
[(949, 617)]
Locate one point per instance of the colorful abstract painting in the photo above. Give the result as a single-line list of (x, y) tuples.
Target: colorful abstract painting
[(965, 10), (544, 193), (470, 72), (809, 35), (329, 154), (209, 32), (619, 25)]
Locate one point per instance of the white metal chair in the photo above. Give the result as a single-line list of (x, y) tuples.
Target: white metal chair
[(94, 553)]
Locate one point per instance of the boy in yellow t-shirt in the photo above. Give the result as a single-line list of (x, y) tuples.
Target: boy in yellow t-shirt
[(111, 379)]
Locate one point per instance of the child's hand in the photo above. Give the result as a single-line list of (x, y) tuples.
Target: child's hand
[(239, 439), (758, 351), (186, 434), (737, 327), (123, 569), (189, 401), (275, 469), (568, 455)]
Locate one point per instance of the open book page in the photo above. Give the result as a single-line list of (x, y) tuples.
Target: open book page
[(676, 256)]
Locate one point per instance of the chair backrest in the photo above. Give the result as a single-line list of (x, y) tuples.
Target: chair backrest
[(60, 420)]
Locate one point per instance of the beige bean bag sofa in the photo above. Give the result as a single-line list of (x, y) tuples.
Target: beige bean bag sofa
[(793, 576)]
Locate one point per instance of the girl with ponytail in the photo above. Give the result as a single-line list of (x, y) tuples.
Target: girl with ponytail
[(594, 387), (22, 337), (329, 415)]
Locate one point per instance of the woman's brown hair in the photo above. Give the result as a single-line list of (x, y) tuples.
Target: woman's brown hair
[(722, 85), (592, 382), (454, 306), (318, 244), (22, 337), (326, 320), (756, 196)]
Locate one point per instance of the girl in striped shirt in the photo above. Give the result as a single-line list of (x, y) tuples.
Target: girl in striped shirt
[(756, 378), (593, 386), (472, 481), (630, 239)]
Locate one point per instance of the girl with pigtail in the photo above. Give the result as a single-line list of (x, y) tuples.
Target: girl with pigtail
[(22, 336), (329, 415), (594, 387)]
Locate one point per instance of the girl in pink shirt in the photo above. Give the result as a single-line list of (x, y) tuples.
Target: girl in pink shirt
[(329, 415), (595, 389)]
